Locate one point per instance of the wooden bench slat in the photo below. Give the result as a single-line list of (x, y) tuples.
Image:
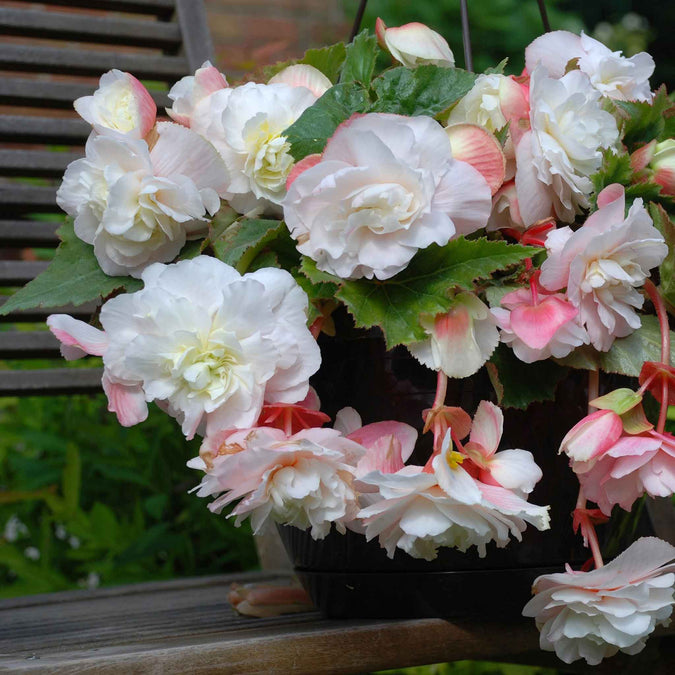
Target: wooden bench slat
[(20, 272), (28, 345), (43, 130), (29, 233), (101, 30), (44, 94), (42, 163), (82, 312), (50, 381), (161, 8), (18, 198), (27, 58)]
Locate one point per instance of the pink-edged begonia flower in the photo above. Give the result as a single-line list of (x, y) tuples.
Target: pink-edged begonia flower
[(385, 187), (591, 437), (569, 131), (138, 206), (208, 344), (505, 214), (593, 615), (305, 480), (613, 75), (120, 104), (602, 264), (303, 75), (190, 95), (418, 510), (632, 466), (538, 325), (414, 44), (459, 342)]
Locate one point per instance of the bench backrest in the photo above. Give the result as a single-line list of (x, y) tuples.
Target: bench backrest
[(51, 56)]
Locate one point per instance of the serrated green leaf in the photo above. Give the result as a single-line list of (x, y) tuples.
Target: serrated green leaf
[(240, 243), (615, 169), (425, 90), (666, 227), (524, 383), (74, 277), (315, 275), (426, 286), (360, 61), (498, 69), (328, 60), (644, 121), (316, 293), (626, 355), (309, 133)]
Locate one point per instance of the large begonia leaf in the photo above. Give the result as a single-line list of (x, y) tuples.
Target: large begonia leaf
[(626, 355), (643, 122), (309, 133), (665, 226), (518, 384), (328, 60), (361, 57), (426, 286), (244, 239), (425, 90), (73, 277)]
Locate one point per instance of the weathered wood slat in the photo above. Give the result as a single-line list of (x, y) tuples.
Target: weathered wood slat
[(163, 8), (188, 626), (17, 198), (28, 345), (20, 272), (45, 94), (29, 233), (82, 312), (197, 43), (43, 130), (28, 58), (40, 163), (101, 30), (50, 382)]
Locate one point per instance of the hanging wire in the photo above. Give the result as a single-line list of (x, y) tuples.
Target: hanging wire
[(544, 15), (357, 20), (466, 36)]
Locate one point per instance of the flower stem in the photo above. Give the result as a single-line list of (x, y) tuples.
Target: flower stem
[(660, 307), (588, 531), (441, 389), (593, 388)]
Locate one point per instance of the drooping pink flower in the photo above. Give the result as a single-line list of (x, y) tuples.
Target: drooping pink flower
[(591, 437), (593, 615), (305, 480), (414, 44), (191, 96), (602, 264), (120, 104)]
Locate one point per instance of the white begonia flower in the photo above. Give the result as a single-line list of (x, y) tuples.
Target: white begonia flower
[(592, 615), (418, 511), (303, 75), (613, 75), (137, 206), (191, 95), (385, 187), (305, 480), (120, 104), (602, 264), (556, 159), (206, 343), (461, 341), (415, 44), (246, 125)]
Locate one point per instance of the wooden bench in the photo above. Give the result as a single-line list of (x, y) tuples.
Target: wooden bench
[(40, 134)]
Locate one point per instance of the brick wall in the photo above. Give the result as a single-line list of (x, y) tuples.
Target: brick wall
[(251, 33)]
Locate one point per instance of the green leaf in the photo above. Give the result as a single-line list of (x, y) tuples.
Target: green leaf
[(309, 133), (665, 226), (426, 286), (72, 474), (191, 249), (74, 277), (644, 121), (328, 60), (524, 383), (619, 401), (626, 355), (498, 69), (316, 293), (425, 90), (240, 243), (361, 57), (315, 275), (615, 169)]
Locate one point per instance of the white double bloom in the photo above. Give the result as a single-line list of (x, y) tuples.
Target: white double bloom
[(385, 187)]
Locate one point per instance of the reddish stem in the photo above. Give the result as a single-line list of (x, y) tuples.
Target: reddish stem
[(441, 389), (663, 412), (288, 422), (660, 307), (588, 529)]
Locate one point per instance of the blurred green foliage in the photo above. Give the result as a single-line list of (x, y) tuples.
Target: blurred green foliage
[(472, 668), (84, 501)]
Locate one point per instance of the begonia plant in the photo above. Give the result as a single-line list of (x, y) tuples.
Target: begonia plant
[(471, 218)]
